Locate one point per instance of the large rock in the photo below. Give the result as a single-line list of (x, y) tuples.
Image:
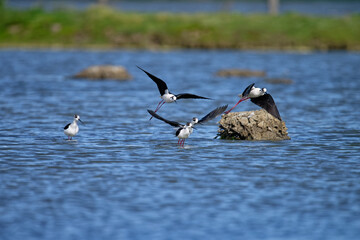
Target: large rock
[(252, 125), (240, 73), (104, 72)]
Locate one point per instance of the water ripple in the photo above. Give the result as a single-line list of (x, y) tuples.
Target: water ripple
[(124, 176)]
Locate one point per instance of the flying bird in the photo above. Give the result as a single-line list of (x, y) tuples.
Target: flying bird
[(184, 131), (71, 129), (260, 97), (165, 94)]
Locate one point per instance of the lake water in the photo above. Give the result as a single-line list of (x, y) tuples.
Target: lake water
[(307, 7), (124, 176)]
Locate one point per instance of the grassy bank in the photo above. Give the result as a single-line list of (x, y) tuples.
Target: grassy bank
[(105, 27)]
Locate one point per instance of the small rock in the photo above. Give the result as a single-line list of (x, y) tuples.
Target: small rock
[(14, 29), (104, 72), (279, 81), (252, 125), (240, 73), (261, 124), (56, 27)]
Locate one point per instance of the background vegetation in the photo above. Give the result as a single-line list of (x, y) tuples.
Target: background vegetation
[(100, 26)]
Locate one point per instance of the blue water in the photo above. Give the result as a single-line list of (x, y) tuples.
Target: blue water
[(321, 7), (124, 176)]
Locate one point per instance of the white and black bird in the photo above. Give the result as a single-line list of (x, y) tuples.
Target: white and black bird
[(184, 131), (71, 129), (166, 95), (260, 97)]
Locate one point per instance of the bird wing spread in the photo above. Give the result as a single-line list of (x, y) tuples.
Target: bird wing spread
[(189, 95), (247, 90), (267, 102), (172, 123), (213, 114), (160, 83)]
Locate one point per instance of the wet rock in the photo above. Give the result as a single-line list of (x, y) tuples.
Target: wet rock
[(104, 72), (239, 73), (279, 81), (252, 125)]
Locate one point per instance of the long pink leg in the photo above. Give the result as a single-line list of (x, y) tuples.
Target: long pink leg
[(162, 102), (183, 142), (178, 141), (243, 99), (160, 106), (157, 107)]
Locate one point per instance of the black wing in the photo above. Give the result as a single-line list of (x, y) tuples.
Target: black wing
[(247, 90), (178, 131), (267, 102), (160, 83), (172, 123), (189, 95), (67, 126), (213, 114)]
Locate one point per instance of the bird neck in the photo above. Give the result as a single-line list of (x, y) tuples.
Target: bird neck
[(189, 127)]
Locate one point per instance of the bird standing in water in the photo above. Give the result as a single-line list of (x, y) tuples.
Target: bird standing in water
[(184, 131), (71, 129)]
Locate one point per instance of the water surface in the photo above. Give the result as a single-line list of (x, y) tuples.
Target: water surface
[(305, 7), (124, 176)]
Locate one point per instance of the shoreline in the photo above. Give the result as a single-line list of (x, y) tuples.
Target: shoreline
[(106, 28), (25, 47)]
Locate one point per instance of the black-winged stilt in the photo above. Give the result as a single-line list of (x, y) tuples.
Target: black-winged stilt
[(71, 129), (260, 97), (184, 131), (165, 94)]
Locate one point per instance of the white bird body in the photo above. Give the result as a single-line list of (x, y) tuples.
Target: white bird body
[(72, 129), (184, 132), (168, 97)]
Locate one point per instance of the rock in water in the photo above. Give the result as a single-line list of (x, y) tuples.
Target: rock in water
[(252, 125), (240, 73), (279, 81), (104, 72)]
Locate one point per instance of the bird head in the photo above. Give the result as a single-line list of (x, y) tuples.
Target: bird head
[(77, 118), (194, 121)]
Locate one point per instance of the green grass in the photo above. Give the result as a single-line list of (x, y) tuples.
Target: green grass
[(105, 27)]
